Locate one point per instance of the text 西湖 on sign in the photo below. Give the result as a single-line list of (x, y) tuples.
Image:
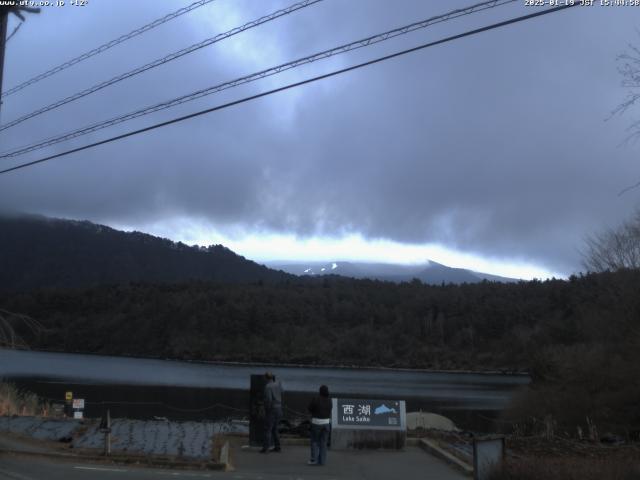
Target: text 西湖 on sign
[(372, 413)]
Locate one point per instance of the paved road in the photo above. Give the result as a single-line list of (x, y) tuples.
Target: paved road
[(22, 468), (290, 464)]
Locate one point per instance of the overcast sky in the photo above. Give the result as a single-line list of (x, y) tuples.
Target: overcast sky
[(490, 152)]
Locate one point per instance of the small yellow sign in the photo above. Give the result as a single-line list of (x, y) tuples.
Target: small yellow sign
[(68, 396)]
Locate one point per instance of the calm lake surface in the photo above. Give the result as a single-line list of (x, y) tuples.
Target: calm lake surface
[(143, 388)]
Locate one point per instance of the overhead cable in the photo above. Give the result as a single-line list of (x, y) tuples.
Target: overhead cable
[(106, 46), (293, 85), (161, 61), (365, 42)]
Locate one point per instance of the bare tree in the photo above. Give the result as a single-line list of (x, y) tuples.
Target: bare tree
[(614, 248), (8, 335), (629, 69)]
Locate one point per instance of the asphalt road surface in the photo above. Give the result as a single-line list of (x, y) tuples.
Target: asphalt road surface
[(412, 463)]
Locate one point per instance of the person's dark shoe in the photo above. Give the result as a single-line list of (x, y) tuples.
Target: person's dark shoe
[(311, 462), (276, 449), (264, 450)]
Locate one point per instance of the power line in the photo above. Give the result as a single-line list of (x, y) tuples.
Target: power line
[(162, 61), (296, 84), (371, 40), (106, 46)]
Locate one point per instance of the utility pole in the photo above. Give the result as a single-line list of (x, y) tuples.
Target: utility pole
[(105, 427), (4, 20)]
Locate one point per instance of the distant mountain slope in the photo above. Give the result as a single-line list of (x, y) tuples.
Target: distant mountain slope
[(43, 252), (431, 272)]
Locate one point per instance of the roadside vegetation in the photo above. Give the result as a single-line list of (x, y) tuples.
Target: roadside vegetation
[(568, 469), (14, 401)]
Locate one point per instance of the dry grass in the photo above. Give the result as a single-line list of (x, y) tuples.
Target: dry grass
[(14, 401), (569, 469)]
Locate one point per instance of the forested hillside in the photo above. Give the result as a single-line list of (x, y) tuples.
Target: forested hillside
[(38, 252)]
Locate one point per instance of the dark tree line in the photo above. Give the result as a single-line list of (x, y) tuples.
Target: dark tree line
[(342, 321)]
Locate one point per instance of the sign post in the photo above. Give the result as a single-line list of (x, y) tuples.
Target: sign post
[(366, 423), (68, 408), (105, 427)]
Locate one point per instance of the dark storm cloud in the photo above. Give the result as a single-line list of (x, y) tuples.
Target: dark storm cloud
[(494, 144)]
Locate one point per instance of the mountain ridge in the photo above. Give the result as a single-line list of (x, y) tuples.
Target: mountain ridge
[(44, 252), (430, 272)]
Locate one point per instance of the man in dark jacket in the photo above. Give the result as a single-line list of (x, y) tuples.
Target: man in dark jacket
[(320, 409), (273, 413)]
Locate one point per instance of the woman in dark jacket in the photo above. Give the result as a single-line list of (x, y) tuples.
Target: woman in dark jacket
[(320, 409)]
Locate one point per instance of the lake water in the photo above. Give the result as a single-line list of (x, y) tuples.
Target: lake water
[(144, 388)]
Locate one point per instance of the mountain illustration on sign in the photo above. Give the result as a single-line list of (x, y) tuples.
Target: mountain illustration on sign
[(384, 409)]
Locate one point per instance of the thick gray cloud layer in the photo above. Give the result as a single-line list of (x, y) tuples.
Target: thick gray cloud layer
[(494, 144)]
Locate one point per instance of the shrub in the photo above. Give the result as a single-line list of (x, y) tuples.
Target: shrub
[(14, 401)]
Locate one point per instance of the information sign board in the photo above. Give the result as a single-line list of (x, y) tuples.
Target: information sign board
[(369, 413), (368, 423)]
